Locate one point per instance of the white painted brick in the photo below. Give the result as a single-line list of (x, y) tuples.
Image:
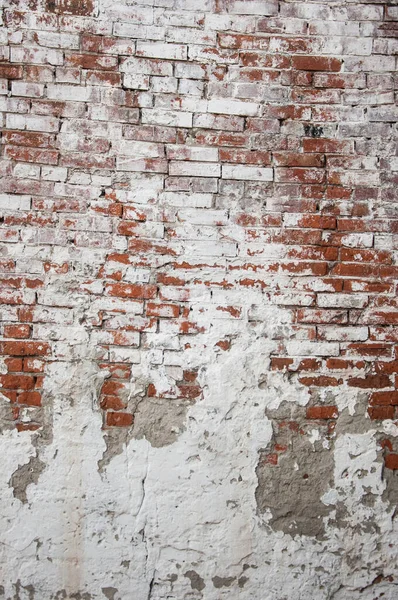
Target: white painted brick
[(57, 40), (342, 300), (231, 22), (183, 104), (136, 82), (26, 170), (181, 199), (194, 36), (357, 240), (30, 90), (54, 173), (141, 165), (145, 32), (299, 348), (74, 93), (142, 66), (192, 87), (293, 299), (165, 85), (208, 248), (190, 71), (124, 355), (37, 56), (184, 152), (132, 14), (196, 5), (167, 117), (343, 334), (247, 173), (227, 106), (219, 122), (160, 50), (14, 202), (369, 63), (137, 149), (262, 8), (194, 169), (203, 217), (32, 122)]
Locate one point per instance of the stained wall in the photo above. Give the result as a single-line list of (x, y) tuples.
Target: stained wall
[(199, 368)]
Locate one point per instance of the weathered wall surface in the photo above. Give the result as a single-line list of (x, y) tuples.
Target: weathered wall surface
[(198, 337)]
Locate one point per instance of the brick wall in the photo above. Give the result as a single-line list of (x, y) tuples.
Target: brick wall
[(198, 226)]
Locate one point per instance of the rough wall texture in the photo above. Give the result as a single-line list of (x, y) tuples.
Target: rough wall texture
[(198, 300)]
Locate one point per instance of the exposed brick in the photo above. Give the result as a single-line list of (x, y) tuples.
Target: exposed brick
[(119, 419), (9, 71), (30, 398), (25, 348), (391, 461), (72, 7), (316, 63), (322, 412), (17, 331), (200, 194), (322, 381), (124, 290), (381, 412), (384, 398), (14, 382), (371, 381)]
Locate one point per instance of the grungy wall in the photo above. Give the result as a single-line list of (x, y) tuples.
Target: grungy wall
[(199, 352)]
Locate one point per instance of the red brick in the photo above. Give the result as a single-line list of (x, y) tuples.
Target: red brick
[(381, 412), (370, 381), (384, 398), (119, 371), (14, 364), (391, 461), (224, 344), (322, 412), (8, 71), (112, 403), (86, 161), (316, 63), (30, 398), (327, 146), (321, 381), (309, 364), (296, 159), (269, 459), (112, 386), (25, 348), (386, 367), (33, 365), (92, 61), (70, 7), (27, 426), (17, 331), (162, 310), (280, 364), (259, 59), (126, 290), (119, 419), (29, 138), (189, 391), (299, 175), (47, 157), (250, 157), (15, 382)]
